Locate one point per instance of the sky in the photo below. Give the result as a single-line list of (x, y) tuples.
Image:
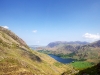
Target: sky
[(39, 22)]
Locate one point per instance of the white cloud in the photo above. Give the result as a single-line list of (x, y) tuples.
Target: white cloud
[(5, 27), (92, 36), (34, 31)]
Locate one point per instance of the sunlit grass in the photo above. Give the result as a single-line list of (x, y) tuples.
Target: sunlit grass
[(81, 64)]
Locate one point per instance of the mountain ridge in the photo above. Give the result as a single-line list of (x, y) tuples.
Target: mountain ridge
[(89, 52), (63, 47), (53, 44)]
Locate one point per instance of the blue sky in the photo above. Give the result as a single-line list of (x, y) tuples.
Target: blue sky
[(39, 22)]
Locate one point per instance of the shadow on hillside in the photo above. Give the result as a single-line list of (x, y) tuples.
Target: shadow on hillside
[(30, 55), (95, 70)]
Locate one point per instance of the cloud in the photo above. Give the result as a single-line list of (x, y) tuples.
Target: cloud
[(92, 36), (5, 27), (34, 31)]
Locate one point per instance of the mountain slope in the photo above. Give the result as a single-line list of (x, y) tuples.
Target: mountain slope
[(90, 52), (16, 58)]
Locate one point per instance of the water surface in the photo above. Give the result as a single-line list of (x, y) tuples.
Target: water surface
[(65, 61)]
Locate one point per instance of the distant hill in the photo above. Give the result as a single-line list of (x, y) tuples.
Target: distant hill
[(95, 44), (64, 47), (35, 47), (53, 44), (16, 58), (78, 50), (90, 52)]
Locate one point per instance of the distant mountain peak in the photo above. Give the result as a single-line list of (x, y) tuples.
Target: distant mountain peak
[(53, 44), (96, 43)]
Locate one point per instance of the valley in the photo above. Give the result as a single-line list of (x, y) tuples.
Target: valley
[(85, 55), (71, 58), (87, 52), (49, 37)]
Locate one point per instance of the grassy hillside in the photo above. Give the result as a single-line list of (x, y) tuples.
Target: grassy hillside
[(81, 65), (95, 70), (16, 58)]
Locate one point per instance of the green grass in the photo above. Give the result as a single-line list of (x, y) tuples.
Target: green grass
[(81, 64), (94, 70)]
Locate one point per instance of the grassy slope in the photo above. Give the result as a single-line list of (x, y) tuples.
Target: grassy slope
[(81, 64), (17, 58), (95, 70)]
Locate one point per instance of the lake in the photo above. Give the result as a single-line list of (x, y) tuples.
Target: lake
[(65, 61)]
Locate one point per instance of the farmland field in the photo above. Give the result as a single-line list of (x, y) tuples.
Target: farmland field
[(81, 64)]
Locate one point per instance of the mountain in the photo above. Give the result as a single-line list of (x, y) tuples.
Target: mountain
[(63, 47), (95, 44), (35, 47), (90, 52), (16, 58), (53, 44), (78, 50)]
